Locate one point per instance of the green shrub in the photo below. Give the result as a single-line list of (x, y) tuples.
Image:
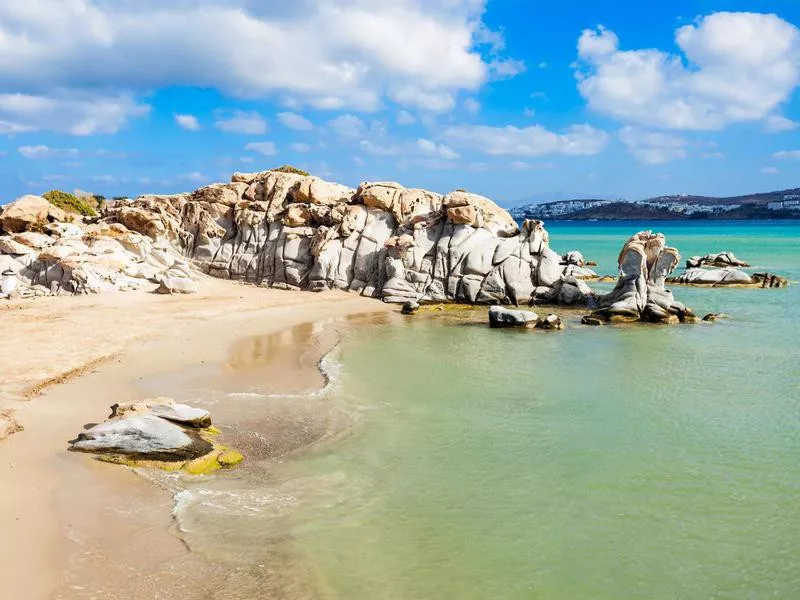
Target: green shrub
[(291, 169), (71, 203)]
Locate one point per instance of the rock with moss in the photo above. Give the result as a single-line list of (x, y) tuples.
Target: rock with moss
[(158, 433)]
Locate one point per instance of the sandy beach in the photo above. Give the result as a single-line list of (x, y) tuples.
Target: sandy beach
[(65, 361)]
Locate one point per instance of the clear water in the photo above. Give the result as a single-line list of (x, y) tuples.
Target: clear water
[(598, 462)]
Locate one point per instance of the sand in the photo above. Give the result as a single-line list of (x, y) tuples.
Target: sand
[(66, 360)]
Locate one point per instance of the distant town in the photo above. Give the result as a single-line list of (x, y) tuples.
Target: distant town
[(783, 204)]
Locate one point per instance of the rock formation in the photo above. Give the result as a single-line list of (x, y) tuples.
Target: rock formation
[(157, 433), (728, 276), (721, 259), (84, 258), (288, 230), (640, 295)]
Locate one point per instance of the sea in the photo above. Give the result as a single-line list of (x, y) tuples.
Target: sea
[(454, 461)]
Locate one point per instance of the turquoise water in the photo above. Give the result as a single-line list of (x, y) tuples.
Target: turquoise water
[(598, 462)]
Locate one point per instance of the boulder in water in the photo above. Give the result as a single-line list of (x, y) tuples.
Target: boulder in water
[(551, 321), (640, 295), (721, 259), (501, 317), (143, 437)]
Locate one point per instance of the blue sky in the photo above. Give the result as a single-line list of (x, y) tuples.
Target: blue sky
[(510, 99)]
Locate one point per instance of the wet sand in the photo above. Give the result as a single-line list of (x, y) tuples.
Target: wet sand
[(73, 527)]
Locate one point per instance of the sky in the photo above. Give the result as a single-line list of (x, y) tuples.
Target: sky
[(512, 99)]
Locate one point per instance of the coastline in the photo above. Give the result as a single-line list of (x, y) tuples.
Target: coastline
[(116, 342)]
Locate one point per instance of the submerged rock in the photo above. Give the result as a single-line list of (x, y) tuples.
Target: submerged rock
[(640, 295), (410, 307), (500, 317), (590, 320)]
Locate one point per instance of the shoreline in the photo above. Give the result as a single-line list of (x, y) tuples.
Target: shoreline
[(158, 338)]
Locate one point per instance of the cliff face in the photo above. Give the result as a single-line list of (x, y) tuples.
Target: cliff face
[(381, 240)]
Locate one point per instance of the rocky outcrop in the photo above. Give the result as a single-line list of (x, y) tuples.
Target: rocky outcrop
[(721, 259), (25, 213), (640, 295), (157, 433), (728, 277), (85, 258), (382, 240)]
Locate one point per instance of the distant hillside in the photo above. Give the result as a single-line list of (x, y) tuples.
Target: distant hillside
[(781, 204)]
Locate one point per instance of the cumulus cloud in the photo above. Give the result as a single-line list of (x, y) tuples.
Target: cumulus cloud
[(770, 171), (294, 121), (652, 148), (429, 148), (74, 113), (349, 126), (787, 155), (334, 54), (735, 67), (527, 141), (242, 123), (265, 148), (300, 147), (778, 124), (188, 122)]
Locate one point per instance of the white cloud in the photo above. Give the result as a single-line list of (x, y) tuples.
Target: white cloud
[(778, 124), (423, 152), (300, 147), (326, 53), (405, 118), (527, 141), (737, 67), (718, 155), (519, 165), (787, 155), (348, 126), (433, 101), (45, 152), (432, 149), (506, 68), (188, 122), (652, 148), (194, 177), (72, 113), (472, 106), (242, 123), (381, 149), (770, 171), (295, 121), (265, 148), (529, 112)]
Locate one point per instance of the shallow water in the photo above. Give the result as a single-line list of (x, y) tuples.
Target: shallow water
[(599, 462)]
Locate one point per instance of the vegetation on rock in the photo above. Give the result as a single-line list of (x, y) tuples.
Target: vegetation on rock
[(291, 169), (71, 203)]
